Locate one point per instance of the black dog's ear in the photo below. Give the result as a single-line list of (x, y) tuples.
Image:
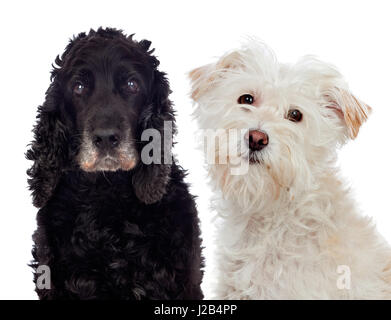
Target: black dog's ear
[(150, 180), (49, 150)]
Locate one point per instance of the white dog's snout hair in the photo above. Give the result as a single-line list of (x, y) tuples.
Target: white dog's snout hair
[(289, 227)]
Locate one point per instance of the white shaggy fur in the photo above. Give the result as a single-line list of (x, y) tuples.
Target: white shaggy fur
[(289, 223)]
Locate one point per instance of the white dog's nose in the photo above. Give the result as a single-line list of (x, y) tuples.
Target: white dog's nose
[(257, 140)]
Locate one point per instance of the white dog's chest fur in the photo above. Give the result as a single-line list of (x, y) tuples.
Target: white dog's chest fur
[(295, 253)]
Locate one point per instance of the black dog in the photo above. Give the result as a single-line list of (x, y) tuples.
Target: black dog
[(110, 226)]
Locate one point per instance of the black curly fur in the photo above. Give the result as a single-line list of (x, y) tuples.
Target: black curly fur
[(110, 235)]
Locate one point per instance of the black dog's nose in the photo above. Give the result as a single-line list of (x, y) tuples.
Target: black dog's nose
[(106, 138), (257, 140)]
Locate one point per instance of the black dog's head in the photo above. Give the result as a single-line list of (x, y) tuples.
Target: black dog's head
[(105, 91)]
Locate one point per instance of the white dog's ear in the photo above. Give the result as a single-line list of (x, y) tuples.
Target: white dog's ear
[(203, 78), (349, 108), (200, 80)]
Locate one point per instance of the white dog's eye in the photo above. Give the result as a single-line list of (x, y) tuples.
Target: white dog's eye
[(246, 99), (294, 115)]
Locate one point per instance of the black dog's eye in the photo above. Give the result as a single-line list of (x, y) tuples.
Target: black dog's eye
[(294, 115), (79, 88), (131, 86), (246, 99)]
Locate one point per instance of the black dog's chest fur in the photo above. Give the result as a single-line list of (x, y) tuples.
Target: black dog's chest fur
[(99, 237)]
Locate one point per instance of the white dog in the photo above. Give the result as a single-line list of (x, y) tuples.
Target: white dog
[(290, 228)]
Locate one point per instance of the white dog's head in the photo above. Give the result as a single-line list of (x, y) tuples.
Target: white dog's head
[(294, 118)]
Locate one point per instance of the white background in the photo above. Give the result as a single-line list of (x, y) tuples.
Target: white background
[(354, 35)]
